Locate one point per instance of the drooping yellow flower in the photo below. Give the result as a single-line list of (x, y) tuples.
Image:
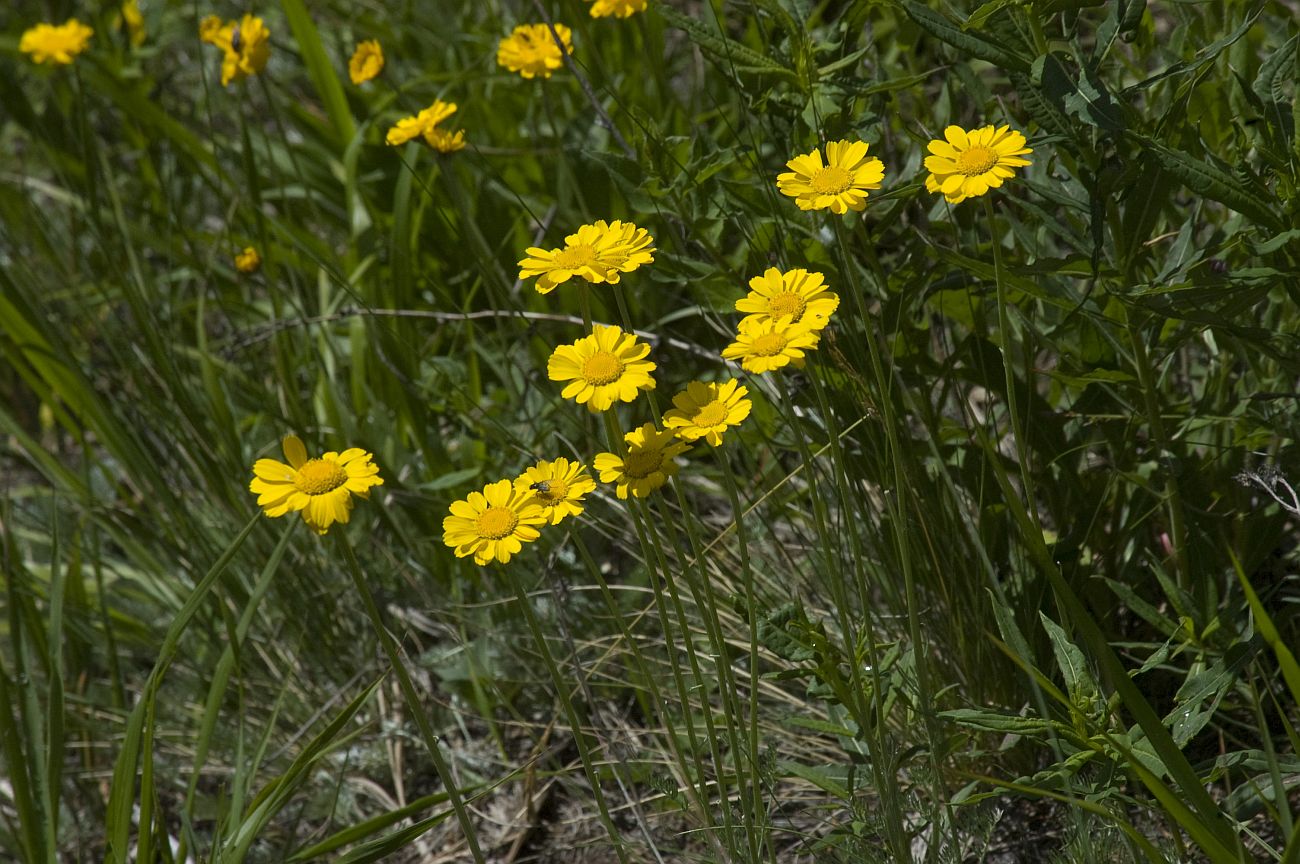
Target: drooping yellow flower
[(798, 294), (531, 50), (444, 141), (598, 252), (367, 61), (55, 44), (762, 346), (557, 487), (423, 124), (707, 410), (321, 489), (248, 261), (968, 164), (647, 465), (133, 21), (840, 185), (606, 367), (493, 524), (246, 45), (619, 8)]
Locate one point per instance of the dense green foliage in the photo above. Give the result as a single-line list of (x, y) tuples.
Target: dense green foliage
[(1022, 528)]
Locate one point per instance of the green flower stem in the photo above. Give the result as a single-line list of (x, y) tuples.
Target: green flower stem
[(656, 707), (657, 567), (1173, 494), (898, 503), (1006, 341), (692, 656), (702, 594), (408, 693), (562, 686), (757, 815)]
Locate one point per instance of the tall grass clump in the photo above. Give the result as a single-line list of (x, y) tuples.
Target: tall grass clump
[(737, 432)]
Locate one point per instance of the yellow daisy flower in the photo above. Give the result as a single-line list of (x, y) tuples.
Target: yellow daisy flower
[(366, 62), (422, 124), (248, 261), (598, 253), (133, 21), (968, 164), (707, 410), (493, 524), (801, 295), (246, 44), (531, 50), (771, 344), (55, 44), (619, 8), (606, 367), (558, 487), (841, 184), (321, 489), (648, 464)]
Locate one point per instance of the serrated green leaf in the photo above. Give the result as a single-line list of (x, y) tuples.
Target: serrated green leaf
[(1208, 179), (730, 52), (991, 721), (973, 44)]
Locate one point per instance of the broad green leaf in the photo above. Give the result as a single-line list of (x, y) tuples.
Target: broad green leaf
[(321, 71)]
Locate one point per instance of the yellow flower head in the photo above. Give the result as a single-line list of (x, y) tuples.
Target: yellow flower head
[(968, 164), (493, 524), (444, 141), (619, 8), (423, 124), (647, 465), (246, 45), (321, 489), (707, 410), (49, 43), (557, 487), (133, 21), (606, 367), (840, 185), (598, 253), (367, 61), (248, 261), (771, 344), (801, 295), (531, 50)]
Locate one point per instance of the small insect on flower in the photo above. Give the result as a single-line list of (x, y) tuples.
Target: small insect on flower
[(558, 487), (236, 41)]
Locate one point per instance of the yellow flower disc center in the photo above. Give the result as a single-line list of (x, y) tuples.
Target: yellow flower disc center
[(317, 476), (573, 257), (768, 345), (556, 490), (602, 368), (787, 303), (642, 463), (496, 522), (712, 414), (831, 180), (976, 161)]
